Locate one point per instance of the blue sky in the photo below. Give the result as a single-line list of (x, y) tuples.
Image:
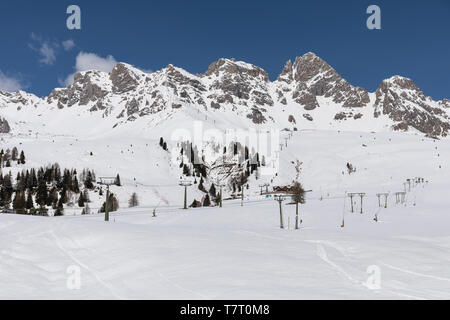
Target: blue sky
[(38, 52)]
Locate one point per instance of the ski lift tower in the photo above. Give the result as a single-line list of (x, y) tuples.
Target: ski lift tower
[(280, 198), (185, 184), (220, 185), (107, 181)]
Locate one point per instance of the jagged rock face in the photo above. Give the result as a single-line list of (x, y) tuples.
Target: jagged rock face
[(241, 84), (123, 79), (405, 103), (445, 103), (4, 126), (19, 98), (81, 92), (310, 77), (299, 97)]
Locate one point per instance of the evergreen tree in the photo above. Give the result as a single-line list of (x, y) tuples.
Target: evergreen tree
[(207, 201), (117, 181), (19, 202), (86, 195), (41, 193), (63, 198), (113, 204), (22, 157), (88, 182), (14, 154), (75, 188), (201, 187), (212, 190), (29, 202), (59, 210), (81, 200), (52, 199), (6, 191)]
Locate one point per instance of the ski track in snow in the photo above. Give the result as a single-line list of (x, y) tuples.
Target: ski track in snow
[(94, 273), (415, 273)]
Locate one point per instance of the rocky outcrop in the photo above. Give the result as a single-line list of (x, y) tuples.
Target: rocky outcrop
[(4, 126), (310, 77), (403, 102), (238, 83), (123, 78), (307, 90), (83, 90)]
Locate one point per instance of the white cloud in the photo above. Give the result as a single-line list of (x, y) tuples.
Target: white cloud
[(90, 61), (9, 84), (68, 44), (46, 49), (47, 54)]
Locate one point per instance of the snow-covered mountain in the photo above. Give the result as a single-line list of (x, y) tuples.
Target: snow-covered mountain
[(308, 94)]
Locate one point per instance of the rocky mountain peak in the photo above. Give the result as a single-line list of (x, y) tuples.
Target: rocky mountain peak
[(402, 101), (310, 77), (124, 78), (4, 126), (237, 68), (287, 74)]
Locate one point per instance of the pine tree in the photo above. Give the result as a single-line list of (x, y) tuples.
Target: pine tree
[(88, 182), (86, 195), (207, 201), (22, 157), (63, 198), (19, 202), (200, 185), (75, 188), (6, 191), (29, 203), (52, 198), (212, 190), (41, 193), (117, 181), (81, 200), (14, 154), (59, 210)]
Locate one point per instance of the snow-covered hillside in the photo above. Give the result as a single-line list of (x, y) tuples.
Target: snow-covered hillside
[(240, 252), (315, 123)]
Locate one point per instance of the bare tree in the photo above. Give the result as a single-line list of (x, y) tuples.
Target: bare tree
[(134, 201), (298, 196)]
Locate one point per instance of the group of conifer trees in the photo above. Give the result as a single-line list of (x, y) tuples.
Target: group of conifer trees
[(35, 190), (9, 156), (248, 164)]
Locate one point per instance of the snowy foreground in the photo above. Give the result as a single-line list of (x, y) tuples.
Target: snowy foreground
[(239, 252), (231, 253)]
